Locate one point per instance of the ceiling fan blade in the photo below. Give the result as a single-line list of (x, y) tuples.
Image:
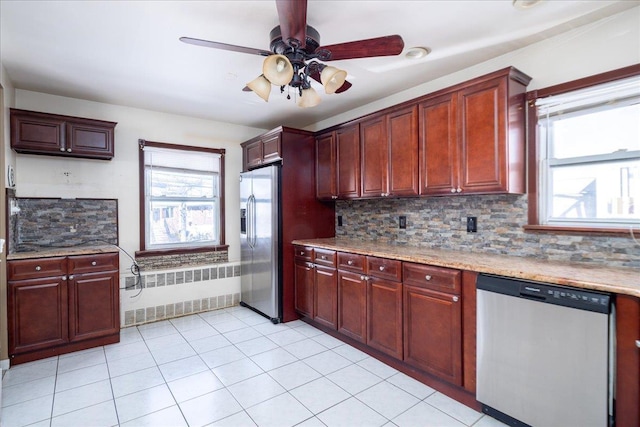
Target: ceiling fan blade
[(293, 20), (315, 75), (379, 46), (225, 46)]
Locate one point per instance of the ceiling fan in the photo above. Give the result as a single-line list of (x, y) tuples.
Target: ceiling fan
[(295, 54)]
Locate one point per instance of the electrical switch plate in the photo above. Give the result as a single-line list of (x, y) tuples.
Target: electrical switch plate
[(339, 220), (472, 224), (402, 221)]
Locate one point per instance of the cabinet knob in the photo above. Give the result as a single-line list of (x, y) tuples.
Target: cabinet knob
[(458, 190), (382, 268), (68, 150), (334, 197), (453, 190), (301, 253), (350, 262), (638, 343), (364, 278), (94, 263), (323, 257), (71, 277), (455, 299), (61, 148), (65, 277), (38, 268), (427, 277)]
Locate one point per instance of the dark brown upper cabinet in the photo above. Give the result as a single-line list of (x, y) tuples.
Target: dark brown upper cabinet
[(56, 135), (263, 149), (472, 138), (338, 163)]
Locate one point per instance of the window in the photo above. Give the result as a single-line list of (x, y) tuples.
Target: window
[(588, 156), (183, 202)]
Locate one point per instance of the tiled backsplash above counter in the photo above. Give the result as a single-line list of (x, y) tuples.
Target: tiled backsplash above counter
[(440, 222), (40, 223)]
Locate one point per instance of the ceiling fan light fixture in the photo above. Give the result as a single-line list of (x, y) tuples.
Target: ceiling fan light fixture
[(309, 98), (261, 86), (277, 69), (332, 79)]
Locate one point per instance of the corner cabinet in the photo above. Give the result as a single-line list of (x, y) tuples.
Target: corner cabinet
[(61, 304), (472, 139), (43, 133)]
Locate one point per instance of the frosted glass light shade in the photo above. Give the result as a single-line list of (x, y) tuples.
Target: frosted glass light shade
[(277, 69), (261, 86), (309, 98), (332, 79)]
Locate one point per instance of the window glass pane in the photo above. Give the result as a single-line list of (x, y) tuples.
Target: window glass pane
[(183, 184), (596, 131), (603, 191), (182, 222)]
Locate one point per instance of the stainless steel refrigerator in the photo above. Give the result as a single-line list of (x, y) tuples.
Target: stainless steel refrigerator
[(260, 241)]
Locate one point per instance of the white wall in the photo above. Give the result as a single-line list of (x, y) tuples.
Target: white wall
[(605, 45)]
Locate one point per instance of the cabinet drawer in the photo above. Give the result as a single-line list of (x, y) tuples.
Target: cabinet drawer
[(35, 268), (324, 257), (353, 262), (92, 263), (303, 252), (436, 278), (384, 268)]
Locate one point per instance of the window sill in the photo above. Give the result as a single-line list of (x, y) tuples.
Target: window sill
[(176, 251), (622, 232)]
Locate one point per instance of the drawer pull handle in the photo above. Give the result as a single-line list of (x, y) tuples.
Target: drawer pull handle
[(94, 263), (427, 277), (38, 268), (323, 257), (301, 253), (350, 262), (455, 299), (382, 268)]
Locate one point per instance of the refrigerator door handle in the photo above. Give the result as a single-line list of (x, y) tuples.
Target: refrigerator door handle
[(251, 221)]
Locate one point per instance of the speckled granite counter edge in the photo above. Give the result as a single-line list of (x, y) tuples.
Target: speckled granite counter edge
[(586, 276), (53, 252)]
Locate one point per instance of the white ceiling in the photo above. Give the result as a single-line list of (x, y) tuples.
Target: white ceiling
[(128, 52)]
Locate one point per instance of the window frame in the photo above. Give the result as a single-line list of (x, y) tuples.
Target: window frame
[(144, 251), (533, 152)]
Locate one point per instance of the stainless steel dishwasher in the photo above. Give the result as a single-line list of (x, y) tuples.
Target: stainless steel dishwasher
[(542, 353)]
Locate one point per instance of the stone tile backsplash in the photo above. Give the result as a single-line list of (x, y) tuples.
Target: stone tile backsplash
[(440, 222), (45, 223)]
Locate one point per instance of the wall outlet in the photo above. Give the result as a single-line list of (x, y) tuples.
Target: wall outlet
[(339, 220), (472, 224), (402, 221)]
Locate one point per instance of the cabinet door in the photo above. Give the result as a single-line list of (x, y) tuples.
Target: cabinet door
[(90, 140), (403, 152), (438, 145), (375, 157), (271, 148), (433, 333), (94, 306), (37, 133), (352, 305), (37, 310), (325, 296), (326, 167), (252, 154), (384, 316), (483, 137), (303, 287), (348, 162)]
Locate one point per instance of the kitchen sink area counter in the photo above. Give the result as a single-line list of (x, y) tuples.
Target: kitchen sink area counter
[(624, 281), (63, 251)]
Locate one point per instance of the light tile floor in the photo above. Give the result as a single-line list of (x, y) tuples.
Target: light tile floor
[(229, 367)]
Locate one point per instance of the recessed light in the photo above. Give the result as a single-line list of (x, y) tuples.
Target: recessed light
[(417, 52), (525, 4)]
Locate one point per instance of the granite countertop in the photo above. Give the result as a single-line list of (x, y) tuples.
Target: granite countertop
[(587, 276), (63, 251)]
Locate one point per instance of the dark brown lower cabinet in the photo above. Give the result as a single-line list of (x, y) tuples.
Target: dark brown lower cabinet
[(37, 314), (325, 296), (93, 306), (433, 332), (352, 306), (303, 287), (384, 316)]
